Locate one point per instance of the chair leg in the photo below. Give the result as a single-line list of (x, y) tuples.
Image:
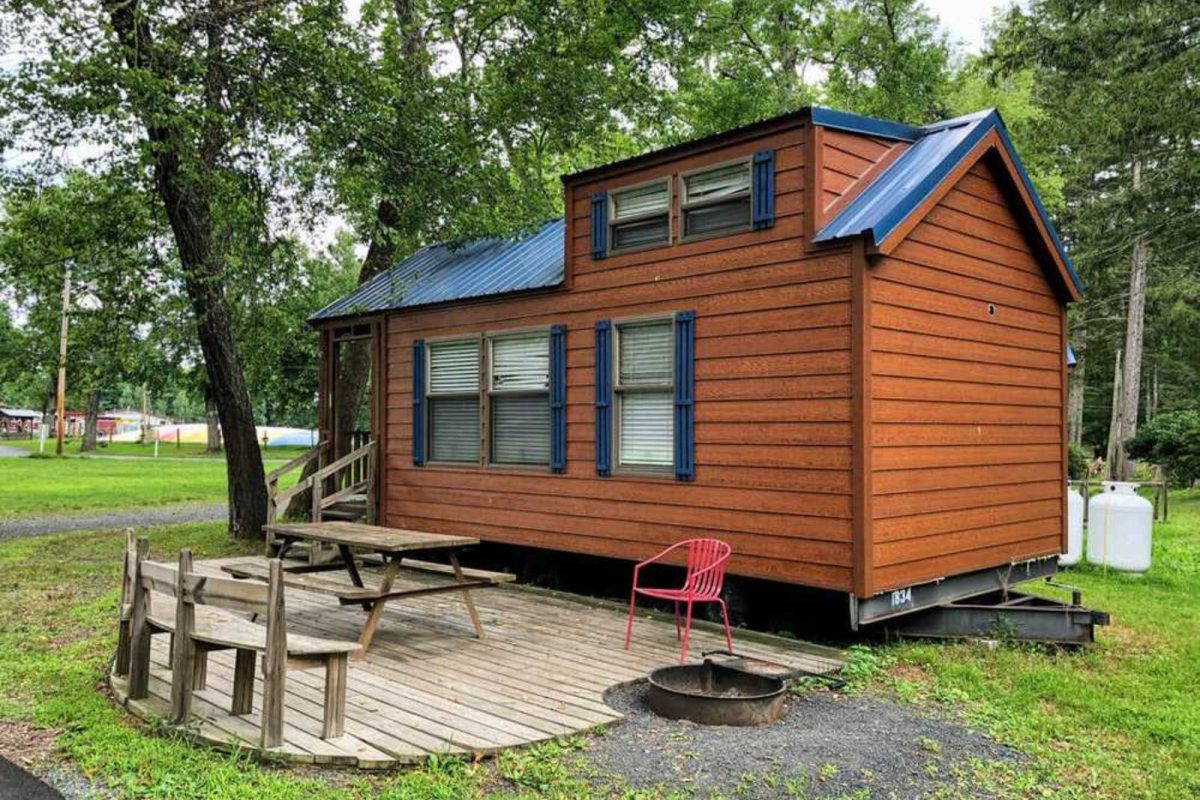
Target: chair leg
[(725, 618), (678, 630), (200, 669), (629, 624), (687, 632)]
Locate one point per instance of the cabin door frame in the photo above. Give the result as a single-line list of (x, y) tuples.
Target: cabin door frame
[(334, 340)]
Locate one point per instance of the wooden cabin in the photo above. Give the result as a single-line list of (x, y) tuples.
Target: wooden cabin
[(836, 342)]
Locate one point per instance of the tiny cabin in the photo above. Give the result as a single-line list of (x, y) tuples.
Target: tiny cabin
[(838, 343)]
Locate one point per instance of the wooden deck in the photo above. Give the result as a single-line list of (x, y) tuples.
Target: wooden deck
[(427, 686)]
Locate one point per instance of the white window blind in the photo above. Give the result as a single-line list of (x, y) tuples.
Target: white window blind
[(641, 200), (722, 182), (645, 354), (641, 215), (645, 394), (521, 429), (646, 423), (454, 429), (521, 362), (520, 399), (717, 200), (454, 366), (454, 401)]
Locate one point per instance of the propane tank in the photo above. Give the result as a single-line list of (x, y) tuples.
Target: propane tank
[(1075, 503), (1119, 528)]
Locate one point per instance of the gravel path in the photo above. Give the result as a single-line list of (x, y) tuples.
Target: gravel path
[(8, 451), (826, 745), (115, 518)]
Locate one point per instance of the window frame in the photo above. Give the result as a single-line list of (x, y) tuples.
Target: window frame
[(612, 222), (618, 391), (478, 394), (486, 393), (686, 205)]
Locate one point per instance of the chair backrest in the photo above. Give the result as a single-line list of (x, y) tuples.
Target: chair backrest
[(232, 595), (706, 566)]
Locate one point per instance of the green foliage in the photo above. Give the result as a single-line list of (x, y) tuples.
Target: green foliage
[(1171, 441), (1079, 459)]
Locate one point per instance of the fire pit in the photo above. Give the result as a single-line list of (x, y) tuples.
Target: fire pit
[(715, 694)]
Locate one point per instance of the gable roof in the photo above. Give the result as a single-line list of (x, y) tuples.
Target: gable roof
[(920, 174), (477, 268)]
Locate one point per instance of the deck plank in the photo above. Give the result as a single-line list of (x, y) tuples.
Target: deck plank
[(428, 686)]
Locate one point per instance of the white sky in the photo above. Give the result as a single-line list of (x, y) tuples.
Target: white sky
[(964, 19)]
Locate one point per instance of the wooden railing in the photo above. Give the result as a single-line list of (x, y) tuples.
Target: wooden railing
[(279, 501), (350, 475)]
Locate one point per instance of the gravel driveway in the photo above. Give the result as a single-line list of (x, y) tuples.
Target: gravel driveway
[(116, 518), (826, 745)]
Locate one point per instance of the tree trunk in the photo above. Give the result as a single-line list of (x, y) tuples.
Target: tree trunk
[(89, 422), (213, 418), (1114, 424), (1075, 391), (187, 205), (1135, 327)]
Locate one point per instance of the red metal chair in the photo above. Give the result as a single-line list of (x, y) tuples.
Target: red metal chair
[(705, 575)]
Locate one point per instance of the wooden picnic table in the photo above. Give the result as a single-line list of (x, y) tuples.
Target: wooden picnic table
[(393, 545)]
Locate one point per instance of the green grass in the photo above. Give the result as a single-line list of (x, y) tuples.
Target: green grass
[(1120, 720), (127, 449), (42, 486)]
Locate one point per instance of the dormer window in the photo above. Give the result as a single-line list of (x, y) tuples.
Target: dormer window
[(640, 216), (716, 200)]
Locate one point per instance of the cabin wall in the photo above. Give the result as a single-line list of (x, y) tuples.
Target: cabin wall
[(846, 163), (967, 435), (772, 386)]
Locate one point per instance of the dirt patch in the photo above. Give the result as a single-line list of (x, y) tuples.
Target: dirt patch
[(825, 745), (25, 745)]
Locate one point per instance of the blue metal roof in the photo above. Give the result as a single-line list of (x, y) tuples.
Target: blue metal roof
[(478, 268), (884, 204)]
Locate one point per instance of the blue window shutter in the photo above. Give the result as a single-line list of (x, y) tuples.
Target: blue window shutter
[(599, 224), (558, 398), (603, 397), (685, 412), (418, 402), (762, 190)]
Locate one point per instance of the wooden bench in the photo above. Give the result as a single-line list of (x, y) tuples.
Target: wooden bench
[(205, 613), (350, 594)]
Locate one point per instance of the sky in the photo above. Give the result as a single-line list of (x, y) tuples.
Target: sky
[(964, 19)]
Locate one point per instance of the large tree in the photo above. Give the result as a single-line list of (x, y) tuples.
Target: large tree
[(1117, 82), (202, 94)]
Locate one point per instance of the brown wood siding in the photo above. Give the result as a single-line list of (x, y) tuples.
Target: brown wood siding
[(847, 163), (773, 396), (967, 408)]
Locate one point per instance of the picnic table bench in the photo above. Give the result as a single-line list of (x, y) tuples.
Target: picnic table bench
[(395, 546)]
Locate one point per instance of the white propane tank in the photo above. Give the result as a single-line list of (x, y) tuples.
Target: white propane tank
[(1119, 523), (1074, 552)]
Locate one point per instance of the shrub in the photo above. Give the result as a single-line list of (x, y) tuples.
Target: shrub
[(1171, 441), (1078, 459)]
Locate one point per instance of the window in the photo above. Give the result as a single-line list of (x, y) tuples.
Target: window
[(519, 397), (641, 215), (453, 400), (644, 391), (716, 200)]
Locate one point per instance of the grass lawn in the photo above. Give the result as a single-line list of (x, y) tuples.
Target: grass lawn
[(1121, 720), (44, 486), (165, 449)]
